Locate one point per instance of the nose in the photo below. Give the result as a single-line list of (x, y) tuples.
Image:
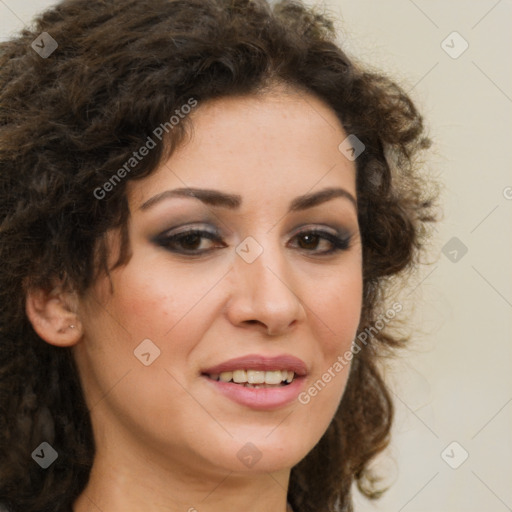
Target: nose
[(264, 294)]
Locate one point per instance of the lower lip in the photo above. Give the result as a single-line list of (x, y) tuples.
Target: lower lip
[(260, 398)]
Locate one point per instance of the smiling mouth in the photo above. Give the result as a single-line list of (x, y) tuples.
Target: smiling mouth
[(255, 378)]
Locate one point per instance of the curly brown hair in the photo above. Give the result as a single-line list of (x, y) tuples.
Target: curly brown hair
[(68, 120)]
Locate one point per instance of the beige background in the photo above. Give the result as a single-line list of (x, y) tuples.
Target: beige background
[(454, 382)]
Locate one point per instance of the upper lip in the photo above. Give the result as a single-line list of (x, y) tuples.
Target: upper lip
[(259, 362)]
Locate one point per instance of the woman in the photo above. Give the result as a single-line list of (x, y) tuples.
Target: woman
[(203, 206)]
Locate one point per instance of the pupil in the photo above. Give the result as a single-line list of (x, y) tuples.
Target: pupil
[(190, 241), (309, 241)]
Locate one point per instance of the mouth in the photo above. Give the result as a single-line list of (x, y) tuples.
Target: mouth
[(258, 382), (255, 378)]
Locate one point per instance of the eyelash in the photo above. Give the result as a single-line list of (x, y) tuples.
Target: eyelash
[(338, 243)]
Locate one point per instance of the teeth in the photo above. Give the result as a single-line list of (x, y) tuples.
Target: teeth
[(251, 377), (239, 376), (255, 377), (274, 377), (226, 376)]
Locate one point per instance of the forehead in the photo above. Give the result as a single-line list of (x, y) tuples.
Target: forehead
[(273, 144)]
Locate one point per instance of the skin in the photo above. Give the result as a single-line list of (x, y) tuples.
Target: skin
[(165, 438)]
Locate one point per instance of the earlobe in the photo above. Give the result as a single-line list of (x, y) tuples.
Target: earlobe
[(53, 316)]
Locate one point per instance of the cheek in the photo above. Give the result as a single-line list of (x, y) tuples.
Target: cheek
[(336, 308), (156, 301)]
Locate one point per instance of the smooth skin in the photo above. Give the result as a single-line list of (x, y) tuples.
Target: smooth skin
[(166, 439)]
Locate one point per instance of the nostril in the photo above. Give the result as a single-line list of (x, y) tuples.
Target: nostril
[(255, 322)]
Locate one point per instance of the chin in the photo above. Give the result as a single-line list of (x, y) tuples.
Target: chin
[(264, 453)]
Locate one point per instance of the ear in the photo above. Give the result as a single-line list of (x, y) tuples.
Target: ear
[(53, 315)]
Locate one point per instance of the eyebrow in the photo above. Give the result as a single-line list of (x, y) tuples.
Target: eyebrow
[(233, 201)]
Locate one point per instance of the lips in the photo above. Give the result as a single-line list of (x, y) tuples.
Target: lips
[(260, 363), (264, 396)]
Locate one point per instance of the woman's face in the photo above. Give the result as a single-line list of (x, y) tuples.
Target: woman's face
[(262, 264)]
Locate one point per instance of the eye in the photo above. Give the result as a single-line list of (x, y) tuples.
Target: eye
[(322, 242), (191, 241), (195, 242)]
